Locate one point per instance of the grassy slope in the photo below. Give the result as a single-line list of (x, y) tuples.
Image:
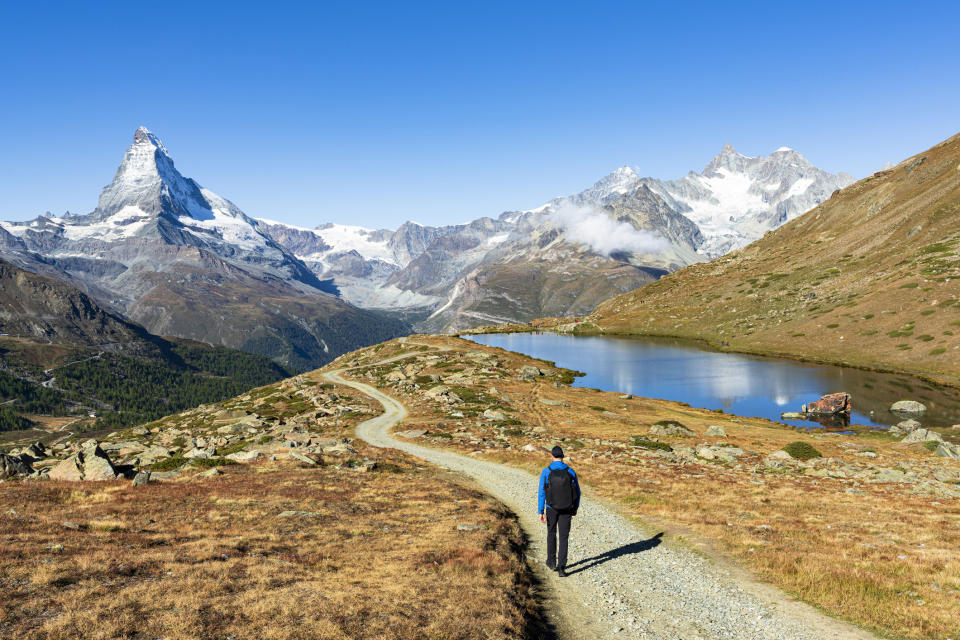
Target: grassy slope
[(869, 278), (276, 549)]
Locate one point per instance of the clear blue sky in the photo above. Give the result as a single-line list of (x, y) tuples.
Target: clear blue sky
[(373, 114)]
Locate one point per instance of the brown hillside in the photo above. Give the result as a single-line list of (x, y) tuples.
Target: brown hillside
[(869, 278)]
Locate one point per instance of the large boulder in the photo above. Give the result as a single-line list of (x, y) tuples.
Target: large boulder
[(96, 463), (908, 406), (669, 428), (923, 435), (948, 450), (528, 372), (12, 466), (89, 463), (831, 404), (69, 469)]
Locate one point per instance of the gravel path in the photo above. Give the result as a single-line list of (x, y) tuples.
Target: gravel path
[(623, 582)]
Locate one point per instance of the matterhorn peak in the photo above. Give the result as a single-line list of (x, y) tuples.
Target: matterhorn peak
[(143, 136), (147, 180)]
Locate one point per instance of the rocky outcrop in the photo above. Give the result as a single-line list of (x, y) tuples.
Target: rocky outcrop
[(13, 466), (90, 463)]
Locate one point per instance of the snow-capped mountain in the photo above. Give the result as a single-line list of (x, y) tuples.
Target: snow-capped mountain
[(183, 261), (736, 199), (549, 260)]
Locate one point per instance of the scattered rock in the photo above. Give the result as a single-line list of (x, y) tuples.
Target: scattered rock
[(412, 433), (948, 450), (670, 428), (212, 472), (554, 403), (299, 457), (244, 456), (306, 514), (716, 431), (904, 427), (494, 415), (908, 406), (470, 527), (141, 478), (922, 435)]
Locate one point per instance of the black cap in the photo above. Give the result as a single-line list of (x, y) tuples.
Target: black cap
[(557, 452)]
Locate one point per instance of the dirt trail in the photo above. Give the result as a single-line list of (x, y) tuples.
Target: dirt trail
[(623, 582)]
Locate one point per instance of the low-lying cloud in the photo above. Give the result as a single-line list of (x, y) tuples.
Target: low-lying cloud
[(604, 235)]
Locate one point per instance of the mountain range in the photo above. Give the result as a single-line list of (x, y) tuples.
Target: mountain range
[(168, 254), (570, 254)]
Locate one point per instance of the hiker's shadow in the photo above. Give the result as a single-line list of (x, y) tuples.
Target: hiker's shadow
[(626, 550)]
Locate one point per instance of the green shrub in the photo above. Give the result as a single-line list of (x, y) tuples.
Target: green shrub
[(931, 446), (927, 312), (169, 464), (801, 450), (596, 408), (926, 337), (937, 351), (640, 441), (833, 325), (206, 463)]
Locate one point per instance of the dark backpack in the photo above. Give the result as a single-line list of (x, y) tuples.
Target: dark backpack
[(560, 492)]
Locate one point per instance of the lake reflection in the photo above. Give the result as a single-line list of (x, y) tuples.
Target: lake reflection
[(740, 384)]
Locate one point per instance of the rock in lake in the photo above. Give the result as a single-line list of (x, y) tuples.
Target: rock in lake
[(831, 404), (908, 406)]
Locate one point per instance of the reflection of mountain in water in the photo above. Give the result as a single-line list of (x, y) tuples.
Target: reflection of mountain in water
[(741, 384)]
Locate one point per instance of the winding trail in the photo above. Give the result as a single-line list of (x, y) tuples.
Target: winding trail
[(623, 583)]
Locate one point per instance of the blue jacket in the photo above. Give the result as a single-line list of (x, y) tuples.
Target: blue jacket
[(542, 493)]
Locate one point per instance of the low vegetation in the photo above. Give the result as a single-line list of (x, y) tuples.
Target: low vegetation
[(293, 553)]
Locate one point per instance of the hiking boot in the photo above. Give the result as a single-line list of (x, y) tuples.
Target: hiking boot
[(561, 573), (551, 566)]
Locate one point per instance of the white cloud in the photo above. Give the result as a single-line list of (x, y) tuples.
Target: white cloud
[(604, 235)]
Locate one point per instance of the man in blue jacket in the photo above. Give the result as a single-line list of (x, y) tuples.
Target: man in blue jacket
[(559, 492)]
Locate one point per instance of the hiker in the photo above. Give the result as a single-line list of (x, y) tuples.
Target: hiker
[(559, 492)]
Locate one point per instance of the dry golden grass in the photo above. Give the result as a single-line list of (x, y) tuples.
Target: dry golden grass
[(368, 555), (877, 554)]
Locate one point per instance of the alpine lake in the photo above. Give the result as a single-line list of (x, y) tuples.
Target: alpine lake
[(744, 385)]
